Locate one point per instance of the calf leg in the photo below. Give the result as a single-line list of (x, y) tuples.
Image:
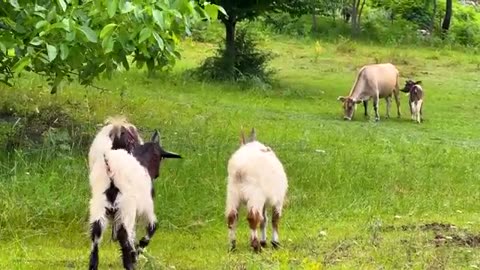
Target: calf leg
[(263, 228), (413, 109), (419, 111), (277, 212)]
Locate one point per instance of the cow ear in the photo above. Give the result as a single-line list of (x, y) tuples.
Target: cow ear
[(418, 82), (342, 99)]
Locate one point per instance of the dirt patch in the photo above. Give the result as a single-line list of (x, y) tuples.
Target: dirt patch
[(435, 226), (444, 233)]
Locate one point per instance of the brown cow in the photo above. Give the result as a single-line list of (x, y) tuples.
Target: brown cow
[(373, 82)]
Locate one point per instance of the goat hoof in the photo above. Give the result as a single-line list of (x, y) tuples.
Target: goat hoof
[(256, 245), (275, 244), (263, 243), (233, 246)]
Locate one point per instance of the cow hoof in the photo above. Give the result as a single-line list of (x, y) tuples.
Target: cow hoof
[(377, 119), (263, 244)]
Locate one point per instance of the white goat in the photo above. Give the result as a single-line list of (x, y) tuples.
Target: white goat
[(122, 189), (117, 133), (255, 177)]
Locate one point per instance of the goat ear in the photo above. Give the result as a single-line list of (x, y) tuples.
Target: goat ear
[(253, 135), (155, 137), (418, 82), (242, 137)]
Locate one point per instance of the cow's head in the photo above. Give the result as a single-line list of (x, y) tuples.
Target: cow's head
[(349, 105), (409, 84)]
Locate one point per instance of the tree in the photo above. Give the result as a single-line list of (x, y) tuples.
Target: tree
[(448, 16), (237, 10), (82, 39)]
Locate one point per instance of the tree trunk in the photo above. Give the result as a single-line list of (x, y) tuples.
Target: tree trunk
[(434, 13), (314, 21), (229, 56), (448, 17), (357, 9)]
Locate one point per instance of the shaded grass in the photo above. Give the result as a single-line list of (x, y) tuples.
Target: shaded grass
[(346, 178)]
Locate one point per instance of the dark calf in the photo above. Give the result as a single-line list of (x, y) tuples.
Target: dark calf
[(416, 94)]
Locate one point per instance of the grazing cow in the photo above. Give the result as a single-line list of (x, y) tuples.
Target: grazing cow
[(415, 101), (373, 81)]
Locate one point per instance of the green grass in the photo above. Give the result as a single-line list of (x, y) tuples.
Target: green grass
[(341, 202)]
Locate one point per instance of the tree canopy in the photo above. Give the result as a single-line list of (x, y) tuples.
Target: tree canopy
[(81, 39)]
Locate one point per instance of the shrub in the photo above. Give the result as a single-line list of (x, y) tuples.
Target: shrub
[(250, 62)]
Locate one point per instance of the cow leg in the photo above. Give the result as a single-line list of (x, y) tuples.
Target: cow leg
[(365, 105), (389, 104), (396, 94), (375, 107), (263, 229)]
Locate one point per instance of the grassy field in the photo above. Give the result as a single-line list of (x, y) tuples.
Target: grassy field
[(362, 195)]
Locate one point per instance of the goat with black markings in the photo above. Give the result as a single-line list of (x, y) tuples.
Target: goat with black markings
[(416, 95), (122, 189)]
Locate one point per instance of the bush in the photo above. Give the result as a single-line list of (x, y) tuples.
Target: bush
[(250, 62)]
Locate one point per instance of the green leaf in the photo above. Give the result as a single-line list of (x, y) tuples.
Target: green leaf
[(36, 41), (127, 7), (89, 33), (159, 40), (107, 30), (158, 18), (62, 4), (145, 34), (3, 48), (14, 3), (11, 52), (51, 52), (112, 8), (107, 44), (21, 64), (212, 11), (40, 24), (64, 51)]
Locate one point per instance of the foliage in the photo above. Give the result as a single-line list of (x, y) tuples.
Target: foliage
[(250, 62), (83, 39)]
